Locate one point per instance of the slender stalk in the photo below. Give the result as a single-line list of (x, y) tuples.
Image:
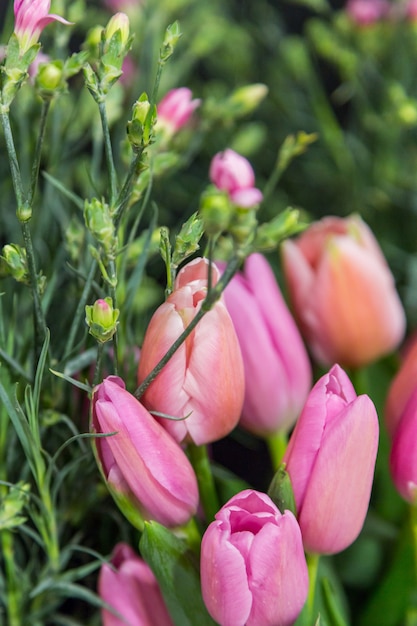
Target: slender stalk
[(14, 600), (38, 151), (14, 164), (277, 444), (208, 495), (123, 198), (313, 567), (207, 304), (108, 151), (413, 520), (40, 323), (80, 312), (99, 364)]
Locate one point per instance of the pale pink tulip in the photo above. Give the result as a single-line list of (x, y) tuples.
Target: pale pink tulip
[(253, 568), (343, 292), (128, 585), (141, 462), (204, 379), (277, 368), (232, 173), (31, 17), (330, 460)]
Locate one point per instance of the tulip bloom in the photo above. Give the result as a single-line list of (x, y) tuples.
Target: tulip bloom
[(253, 568), (403, 458), (277, 368), (141, 462), (401, 389), (330, 460), (31, 17), (204, 379), (175, 109), (129, 586), (343, 292), (232, 173), (367, 12)]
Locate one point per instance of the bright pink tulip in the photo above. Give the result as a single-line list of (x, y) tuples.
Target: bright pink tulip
[(204, 379), (31, 17), (176, 108), (141, 462), (277, 368), (253, 568), (401, 389), (232, 173), (403, 458), (330, 460), (129, 586), (338, 280)]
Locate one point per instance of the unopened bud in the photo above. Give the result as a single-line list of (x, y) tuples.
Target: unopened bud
[(246, 99), (50, 78), (139, 128), (215, 211), (102, 319), (280, 491), (14, 262), (172, 36), (118, 23), (100, 223)]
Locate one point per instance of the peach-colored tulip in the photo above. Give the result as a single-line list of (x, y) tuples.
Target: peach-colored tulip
[(343, 292), (204, 379)]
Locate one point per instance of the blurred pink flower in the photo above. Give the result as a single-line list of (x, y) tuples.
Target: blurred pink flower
[(231, 172), (175, 110), (403, 457), (367, 12)]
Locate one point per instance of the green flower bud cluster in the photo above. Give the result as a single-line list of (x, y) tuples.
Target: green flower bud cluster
[(140, 127), (102, 319), (172, 36), (99, 221)]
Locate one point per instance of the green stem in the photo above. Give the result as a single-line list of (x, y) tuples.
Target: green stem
[(80, 312), (113, 278), (38, 151), (123, 198), (413, 519), (277, 444), (14, 164), (99, 364), (313, 567), (207, 304), (40, 323), (208, 495), (108, 151), (13, 587)]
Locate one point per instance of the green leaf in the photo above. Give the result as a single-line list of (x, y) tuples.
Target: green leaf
[(177, 570)]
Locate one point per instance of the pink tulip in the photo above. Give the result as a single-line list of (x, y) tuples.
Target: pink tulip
[(343, 292), (401, 389), (367, 12), (175, 109), (232, 173), (253, 568), (330, 460), (403, 458), (277, 368), (128, 585), (31, 17), (204, 379), (141, 462)]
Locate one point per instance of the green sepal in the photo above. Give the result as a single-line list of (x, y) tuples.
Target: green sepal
[(177, 571)]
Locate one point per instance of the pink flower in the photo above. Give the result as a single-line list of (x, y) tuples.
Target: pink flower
[(232, 173), (204, 379), (337, 279), (401, 389), (277, 368), (175, 109), (142, 464), (31, 17), (366, 12), (253, 568), (129, 586), (403, 458), (330, 460)]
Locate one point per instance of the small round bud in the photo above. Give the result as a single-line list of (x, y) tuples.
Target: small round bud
[(102, 319)]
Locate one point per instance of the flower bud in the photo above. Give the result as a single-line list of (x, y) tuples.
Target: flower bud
[(50, 78), (175, 110), (14, 262), (100, 223), (195, 382), (330, 460), (338, 279), (234, 174), (215, 210), (247, 98), (253, 568), (118, 23), (162, 486), (172, 36), (101, 319), (129, 586), (139, 128)]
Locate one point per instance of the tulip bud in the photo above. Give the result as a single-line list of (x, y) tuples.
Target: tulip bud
[(253, 568), (102, 319), (330, 459), (129, 586), (195, 382), (161, 486), (233, 173), (277, 367), (337, 279)]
